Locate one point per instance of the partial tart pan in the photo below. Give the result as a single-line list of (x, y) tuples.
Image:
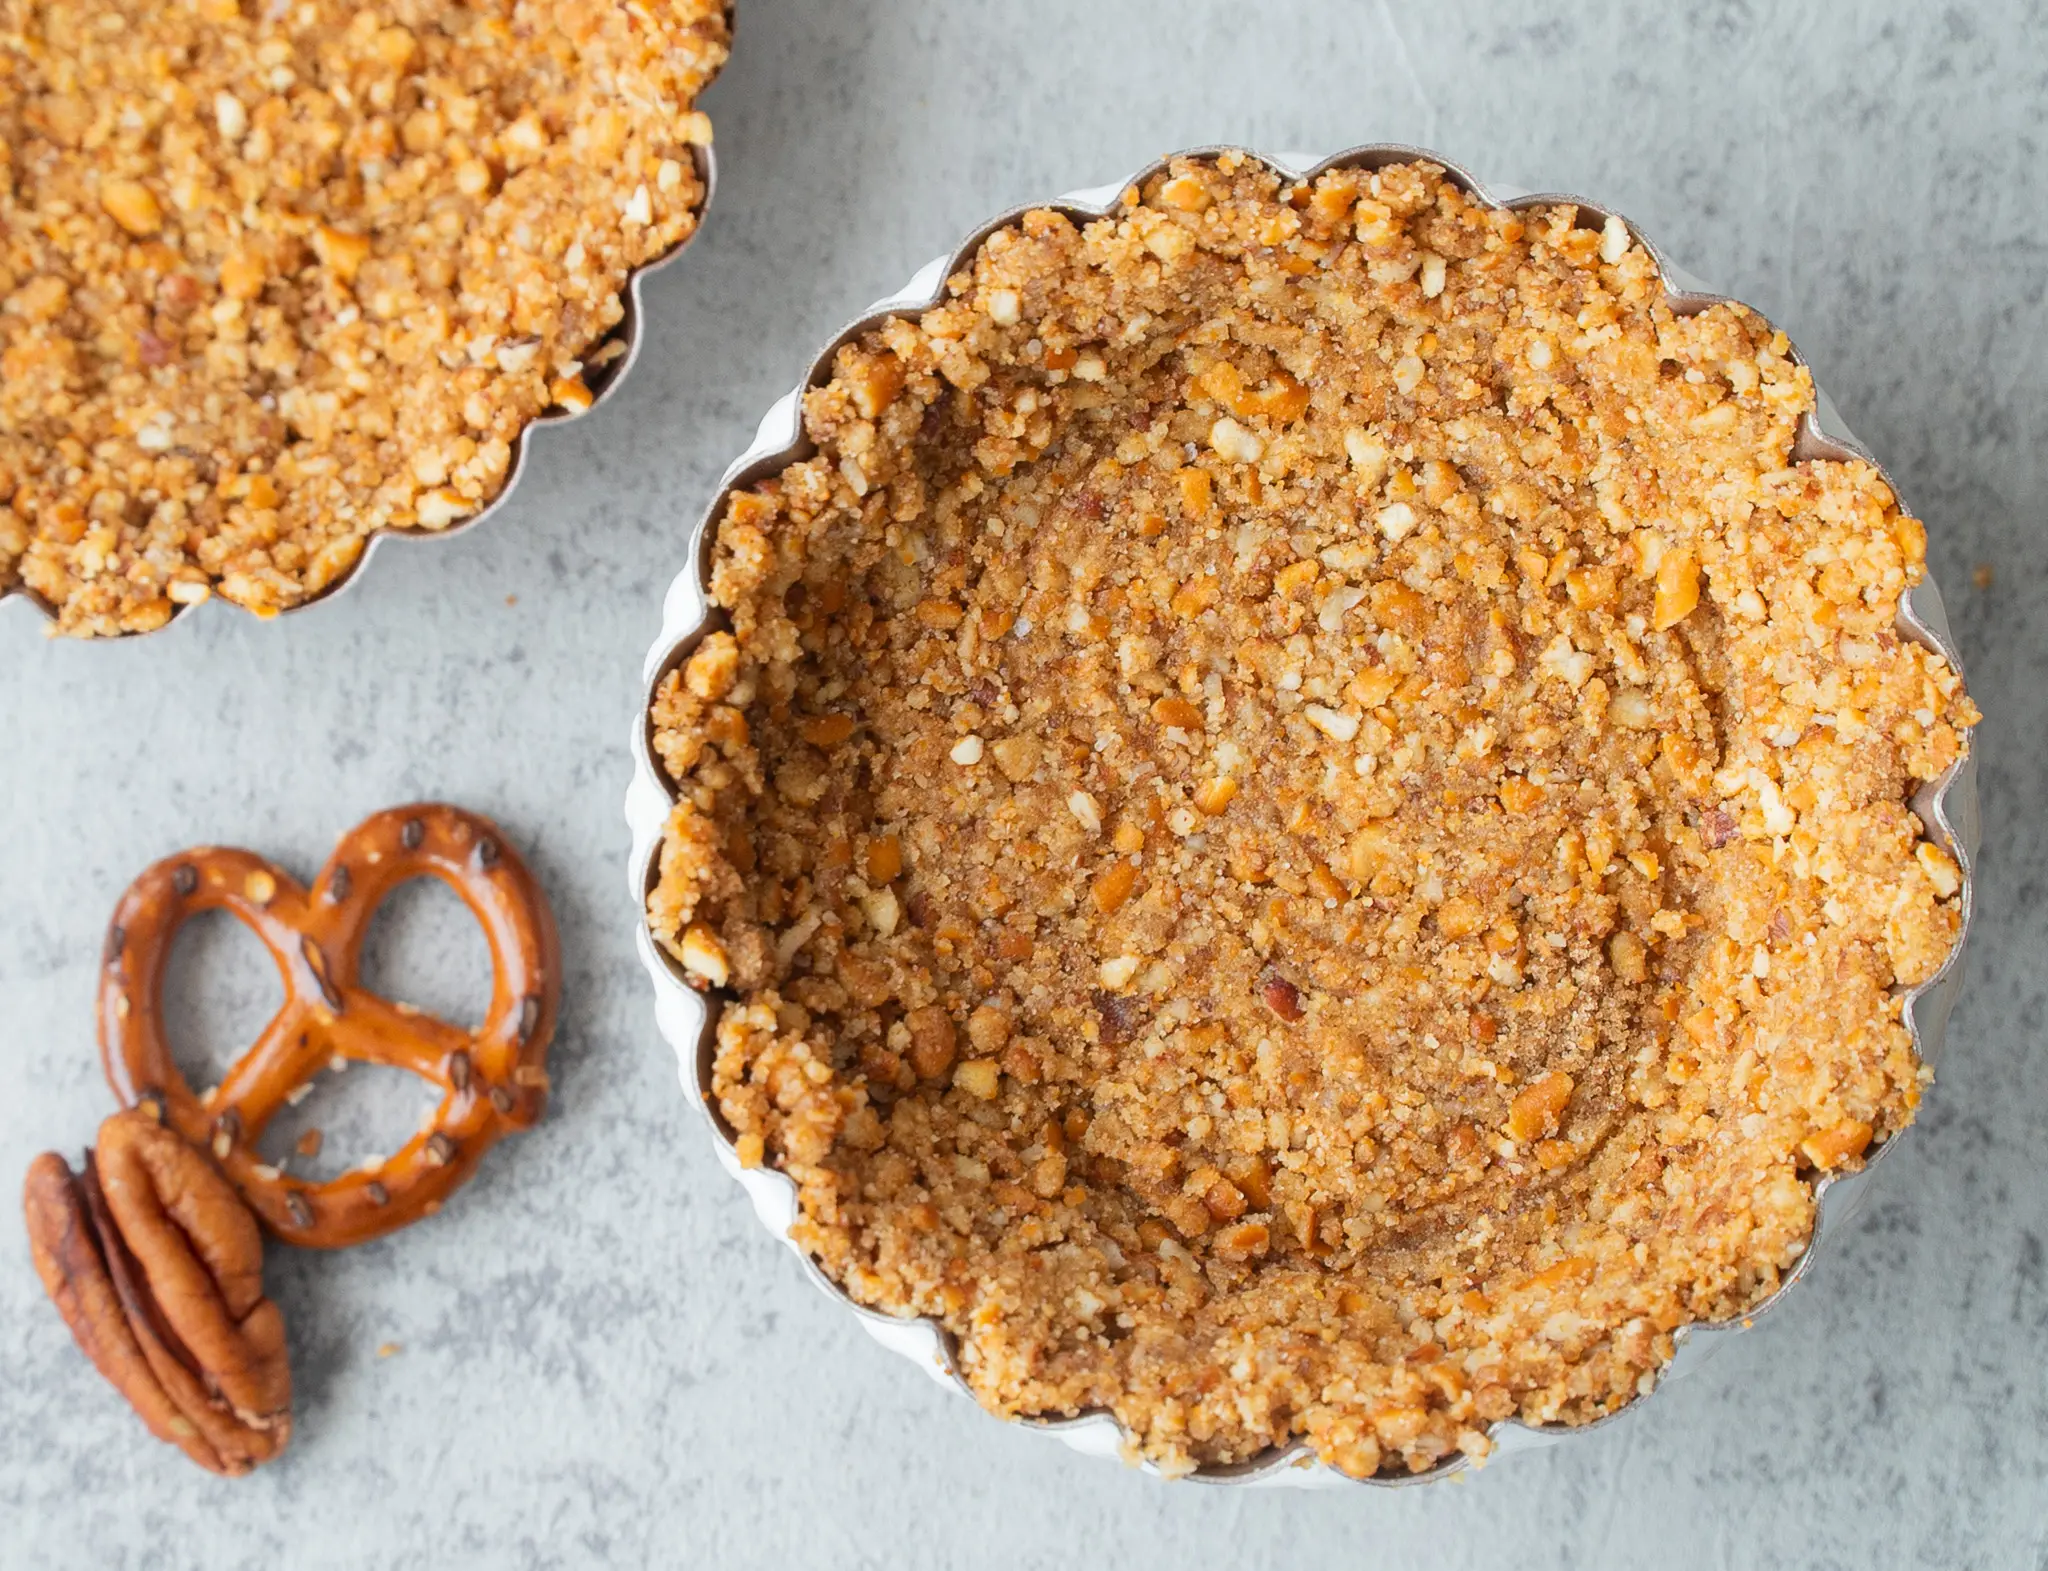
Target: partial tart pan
[(601, 377), (1947, 805)]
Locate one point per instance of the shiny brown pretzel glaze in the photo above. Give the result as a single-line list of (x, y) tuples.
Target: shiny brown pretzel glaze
[(493, 1080), (157, 1268)]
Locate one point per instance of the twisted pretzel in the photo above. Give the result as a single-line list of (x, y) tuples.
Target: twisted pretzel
[(157, 1268), (492, 1081)]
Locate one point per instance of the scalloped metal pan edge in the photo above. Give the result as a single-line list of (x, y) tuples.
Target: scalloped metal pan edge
[(1947, 805)]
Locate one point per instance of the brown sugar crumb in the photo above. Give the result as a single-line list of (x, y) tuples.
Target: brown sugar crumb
[(1304, 816), (274, 277)]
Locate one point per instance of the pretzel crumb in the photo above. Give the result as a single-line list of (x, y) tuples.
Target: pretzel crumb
[(276, 277), (1342, 879)]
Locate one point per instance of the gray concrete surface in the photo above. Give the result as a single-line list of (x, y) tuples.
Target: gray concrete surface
[(602, 1361)]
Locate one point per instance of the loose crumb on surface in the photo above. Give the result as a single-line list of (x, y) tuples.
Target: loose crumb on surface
[(274, 277), (1301, 819)]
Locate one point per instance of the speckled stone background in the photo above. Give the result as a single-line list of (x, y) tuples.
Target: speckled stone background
[(600, 1359)]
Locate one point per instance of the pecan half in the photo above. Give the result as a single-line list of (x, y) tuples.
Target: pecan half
[(157, 1267)]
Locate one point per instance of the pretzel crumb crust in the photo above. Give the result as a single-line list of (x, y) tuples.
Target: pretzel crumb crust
[(275, 277), (1301, 824)]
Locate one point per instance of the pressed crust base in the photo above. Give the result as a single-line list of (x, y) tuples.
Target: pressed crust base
[(274, 277), (1302, 818)]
